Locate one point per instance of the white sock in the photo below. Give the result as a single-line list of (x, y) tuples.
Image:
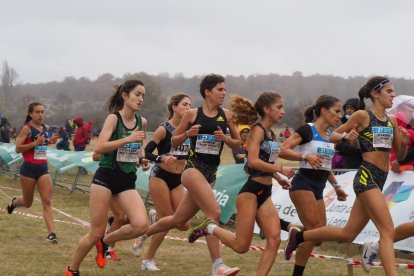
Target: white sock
[(111, 248), (210, 228), (217, 262), (375, 246)]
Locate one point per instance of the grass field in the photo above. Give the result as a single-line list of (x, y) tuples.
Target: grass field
[(24, 251)]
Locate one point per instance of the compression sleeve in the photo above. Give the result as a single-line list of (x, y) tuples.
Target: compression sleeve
[(151, 146)]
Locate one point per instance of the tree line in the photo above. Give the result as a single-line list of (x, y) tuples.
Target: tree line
[(73, 97)]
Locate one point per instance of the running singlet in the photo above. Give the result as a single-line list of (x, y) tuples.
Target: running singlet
[(317, 145), (204, 146), (37, 154), (164, 147), (377, 136), (269, 151), (125, 157)]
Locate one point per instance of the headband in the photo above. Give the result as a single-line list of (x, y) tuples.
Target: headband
[(380, 85)]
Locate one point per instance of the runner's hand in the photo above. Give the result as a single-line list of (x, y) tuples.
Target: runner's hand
[(314, 160), (168, 159), (193, 131), (219, 134), (340, 194), (136, 135), (40, 140)]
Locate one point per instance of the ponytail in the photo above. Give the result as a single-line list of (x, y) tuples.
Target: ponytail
[(309, 114), (116, 102), (243, 110), (373, 84), (313, 112)]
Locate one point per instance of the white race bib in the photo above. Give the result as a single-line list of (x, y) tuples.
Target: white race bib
[(181, 150), (274, 151), (40, 152), (129, 153), (382, 137), (207, 144), (326, 154)]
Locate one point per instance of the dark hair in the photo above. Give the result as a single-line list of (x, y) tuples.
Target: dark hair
[(375, 83), (313, 111), (116, 102), (174, 100), (245, 112), (30, 109), (208, 82)]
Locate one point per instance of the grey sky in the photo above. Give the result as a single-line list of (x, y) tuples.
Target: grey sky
[(48, 40)]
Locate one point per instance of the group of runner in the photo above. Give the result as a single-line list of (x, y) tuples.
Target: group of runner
[(189, 145)]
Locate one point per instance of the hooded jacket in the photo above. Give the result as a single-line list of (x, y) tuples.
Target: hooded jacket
[(81, 135)]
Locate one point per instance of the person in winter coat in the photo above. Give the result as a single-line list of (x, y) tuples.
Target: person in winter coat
[(81, 135)]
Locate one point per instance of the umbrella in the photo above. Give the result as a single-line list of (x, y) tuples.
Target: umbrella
[(403, 108)]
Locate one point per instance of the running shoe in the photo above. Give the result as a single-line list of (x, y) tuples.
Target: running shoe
[(261, 235), (223, 269), (291, 243), (137, 247), (200, 231), (149, 265), (52, 238), (69, 272), (10, 206), (110, 221), (111, 255), (369, 253), (101, 248)]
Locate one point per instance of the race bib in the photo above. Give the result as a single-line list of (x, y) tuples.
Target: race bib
[(207, 144), (274, 151), (40, 152), (382, 137), (326, 155), (129, 153), (181, 150)]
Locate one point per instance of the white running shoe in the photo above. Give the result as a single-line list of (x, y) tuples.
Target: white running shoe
[(369, 253), (149, 265), (137, 247), (152, 216), (225, 270)]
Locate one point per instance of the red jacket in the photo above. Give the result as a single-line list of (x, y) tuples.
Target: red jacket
[(81, 135)]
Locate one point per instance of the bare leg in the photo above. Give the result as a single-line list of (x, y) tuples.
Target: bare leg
[(268, 220), (28, 187), (99, 201), (404, 231), (44, 185)]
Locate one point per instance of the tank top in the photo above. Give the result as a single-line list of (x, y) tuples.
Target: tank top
[(269, 150), (377, 136), (318, 145), (125, 157), (204, 146), (164, 147), (37, 154)]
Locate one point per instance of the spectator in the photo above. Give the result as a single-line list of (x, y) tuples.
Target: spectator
[(241, 154), (287, 133), (407, 163), (81, 135), (4, 130), (64, 143), (348, 155)]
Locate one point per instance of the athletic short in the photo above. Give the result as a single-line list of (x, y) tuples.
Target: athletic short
[(369, 177), (208, 171), (301, 182), (261, 191), (34, 171), (115, 180), (173, 180)]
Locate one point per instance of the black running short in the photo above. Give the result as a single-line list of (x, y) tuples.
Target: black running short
[(316, 186), (261, 191), (34, 171), (369, 177), (208, 171), (173, 180), (114, 180)]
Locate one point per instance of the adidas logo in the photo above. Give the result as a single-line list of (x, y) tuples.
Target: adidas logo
[(220, 119)]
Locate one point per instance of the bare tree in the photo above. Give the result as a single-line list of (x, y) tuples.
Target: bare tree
[(8, 81)]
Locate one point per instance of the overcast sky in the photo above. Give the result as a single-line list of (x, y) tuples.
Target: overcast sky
[(48, 40)]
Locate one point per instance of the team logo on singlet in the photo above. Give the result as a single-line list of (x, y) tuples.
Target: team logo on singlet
[(220, 119)]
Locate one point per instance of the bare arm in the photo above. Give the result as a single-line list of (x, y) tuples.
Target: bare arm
[(184, 131), (358, 121), (24, 133), (104, 145)]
